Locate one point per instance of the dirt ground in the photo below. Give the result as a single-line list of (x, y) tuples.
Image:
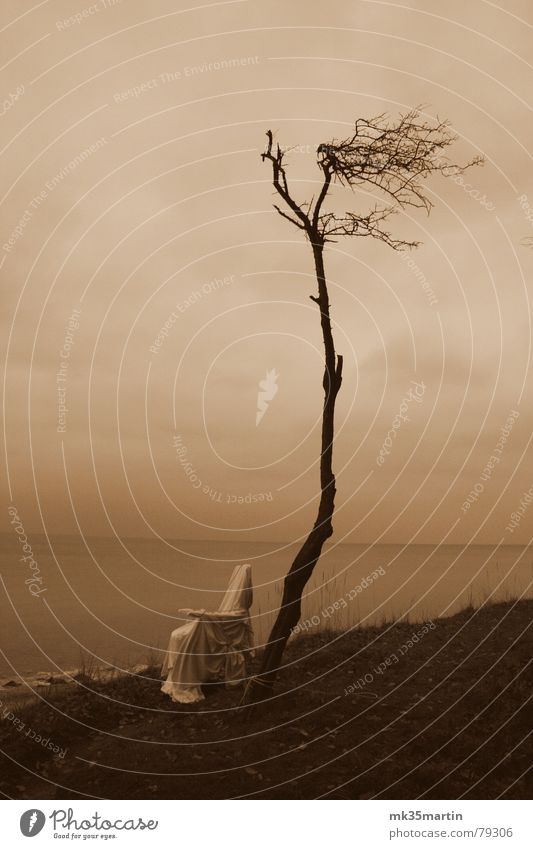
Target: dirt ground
[(373, 713)]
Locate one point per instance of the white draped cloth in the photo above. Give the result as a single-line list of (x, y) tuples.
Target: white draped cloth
[(212, 646)]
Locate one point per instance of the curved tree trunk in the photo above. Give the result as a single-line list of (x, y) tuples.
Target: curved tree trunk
[(372, 157), (261, 686)]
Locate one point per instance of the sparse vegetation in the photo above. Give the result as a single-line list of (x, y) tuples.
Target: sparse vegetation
[(450, 719)]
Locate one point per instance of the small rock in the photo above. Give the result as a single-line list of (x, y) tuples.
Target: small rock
[(11, 684)]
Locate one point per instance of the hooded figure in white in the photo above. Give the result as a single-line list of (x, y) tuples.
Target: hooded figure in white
[(212, 646)]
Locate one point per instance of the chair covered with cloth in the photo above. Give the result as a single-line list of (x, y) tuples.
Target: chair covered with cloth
[(212, 646)]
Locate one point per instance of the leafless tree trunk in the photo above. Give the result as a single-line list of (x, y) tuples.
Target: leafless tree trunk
[(393, 158), (308, 555)]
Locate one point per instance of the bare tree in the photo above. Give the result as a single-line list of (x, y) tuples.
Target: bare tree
[(392, 158)]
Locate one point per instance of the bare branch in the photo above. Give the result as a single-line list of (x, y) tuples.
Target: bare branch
[(395, 157), (352, 224), (288, 217), (322, 196), (279, 180)]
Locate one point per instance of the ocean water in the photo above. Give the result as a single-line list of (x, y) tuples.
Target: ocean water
[(117, 601)]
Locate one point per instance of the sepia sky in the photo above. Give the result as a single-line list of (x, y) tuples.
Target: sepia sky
[(148, 286)]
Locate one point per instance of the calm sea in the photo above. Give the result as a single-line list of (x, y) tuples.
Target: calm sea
[(118, 601)]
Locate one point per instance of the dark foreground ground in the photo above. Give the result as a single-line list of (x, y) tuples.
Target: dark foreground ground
[(451, 717)]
